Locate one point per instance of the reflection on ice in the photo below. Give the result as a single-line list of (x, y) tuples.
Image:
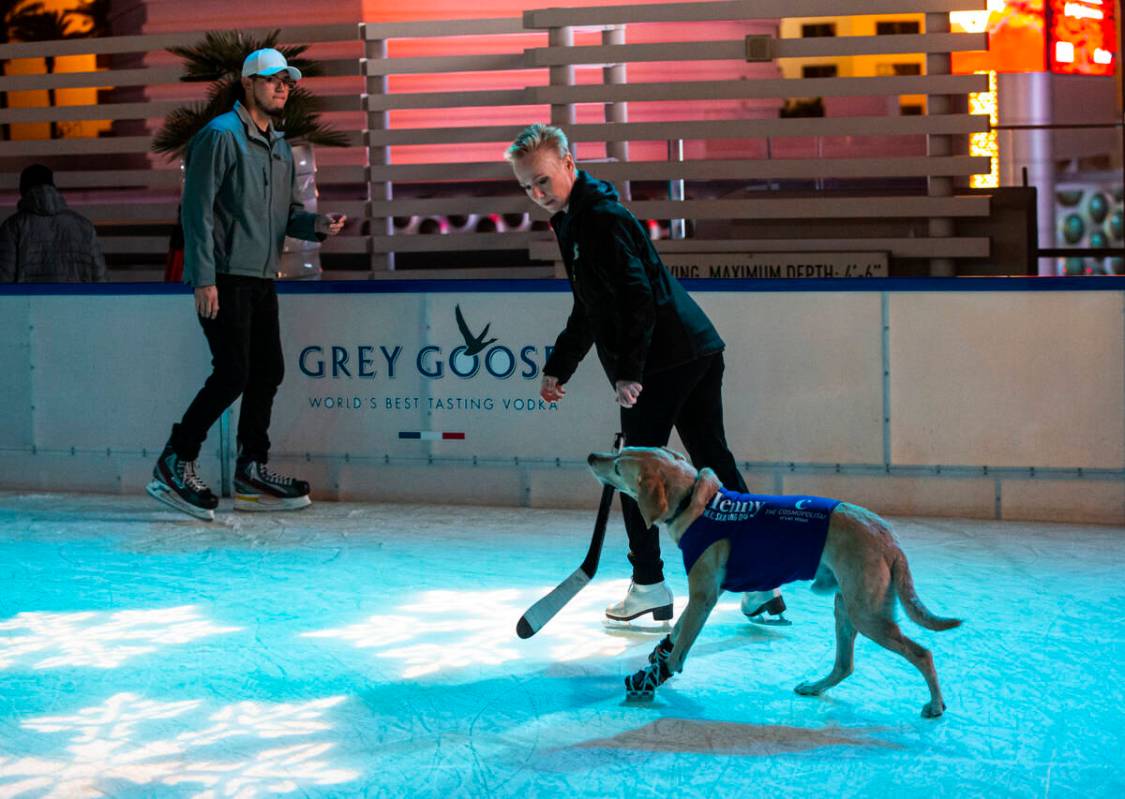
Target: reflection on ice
[(442, 630), (108, 746), (100, 640)]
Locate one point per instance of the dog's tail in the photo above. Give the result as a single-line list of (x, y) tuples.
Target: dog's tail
[(904, 587)]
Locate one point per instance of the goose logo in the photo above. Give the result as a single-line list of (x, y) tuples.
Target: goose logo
[(473, 344), (802, 504)]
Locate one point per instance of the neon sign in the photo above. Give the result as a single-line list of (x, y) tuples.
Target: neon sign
[(1082, 37)]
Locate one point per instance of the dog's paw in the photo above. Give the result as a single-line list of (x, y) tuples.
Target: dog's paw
[(642, 685), (931, 710), (809, 689)]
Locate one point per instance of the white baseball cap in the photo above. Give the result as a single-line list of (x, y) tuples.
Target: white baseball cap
[(267, 62)]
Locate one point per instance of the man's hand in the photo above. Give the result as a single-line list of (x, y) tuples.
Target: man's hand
[(627, 392), (207, 302), (336, 223), (550, 389)]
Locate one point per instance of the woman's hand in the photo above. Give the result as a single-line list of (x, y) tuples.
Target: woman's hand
[(627, 392), (550, 389)]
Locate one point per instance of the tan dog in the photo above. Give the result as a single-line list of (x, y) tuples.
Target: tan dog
[(861, 563)]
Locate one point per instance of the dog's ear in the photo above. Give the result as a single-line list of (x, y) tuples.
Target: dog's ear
[(652, 496)]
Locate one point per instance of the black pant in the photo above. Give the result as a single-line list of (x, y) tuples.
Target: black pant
[(246, 360), (690, 398)]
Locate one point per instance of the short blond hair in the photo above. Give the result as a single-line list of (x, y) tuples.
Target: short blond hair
[(536, 137)]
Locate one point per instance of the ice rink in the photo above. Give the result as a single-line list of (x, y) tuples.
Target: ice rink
[(355, 650)]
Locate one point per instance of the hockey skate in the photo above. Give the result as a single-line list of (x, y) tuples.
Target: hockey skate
[(175, 483), (765, 607), (256, 488), (639, 600)]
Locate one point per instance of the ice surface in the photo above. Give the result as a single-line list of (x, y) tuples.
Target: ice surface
[(370, 650)]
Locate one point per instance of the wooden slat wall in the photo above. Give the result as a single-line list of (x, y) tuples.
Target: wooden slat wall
[(434, 143)]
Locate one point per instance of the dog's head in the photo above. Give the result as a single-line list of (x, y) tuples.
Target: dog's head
[(658, 479)]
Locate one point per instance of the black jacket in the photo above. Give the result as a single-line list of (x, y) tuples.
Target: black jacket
[(46, 242), (626, 302)]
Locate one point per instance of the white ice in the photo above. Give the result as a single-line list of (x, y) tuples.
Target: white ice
[(369, 650)]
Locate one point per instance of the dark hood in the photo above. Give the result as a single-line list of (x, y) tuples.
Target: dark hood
[(589, 190), (43, 200), (586, 192)]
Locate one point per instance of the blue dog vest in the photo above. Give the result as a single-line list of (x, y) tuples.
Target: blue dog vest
[(773, 539)]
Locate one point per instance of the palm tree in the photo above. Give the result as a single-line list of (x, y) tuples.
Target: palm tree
[(218, 59), (31, 24)]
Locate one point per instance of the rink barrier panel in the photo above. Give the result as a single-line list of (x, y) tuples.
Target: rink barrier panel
[(988, 398)]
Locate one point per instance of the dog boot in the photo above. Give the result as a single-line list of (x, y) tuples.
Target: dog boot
[(765, 607), (641, 599), (641, 686)]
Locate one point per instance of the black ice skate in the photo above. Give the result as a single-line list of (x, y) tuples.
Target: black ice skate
[(175, 483), (256, 488)]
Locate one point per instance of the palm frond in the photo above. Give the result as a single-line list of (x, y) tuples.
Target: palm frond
[(218, 59), (178, 128)]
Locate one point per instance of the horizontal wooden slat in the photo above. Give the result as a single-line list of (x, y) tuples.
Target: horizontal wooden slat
[(759, 88), (941, 124), (341, 174), (836, 46), (730, 169), (106, 145), (150, 211), (68, 113), (476, 99), (686, 91), (373, 31), (345, 244), (75, 146), (824, 46), (453, 242), (547, 249), (835, 207), (153, 109), (108, 178), (144, 43), (737, 10), (134, 245), (148, 76), (421, 65), (952, 247)]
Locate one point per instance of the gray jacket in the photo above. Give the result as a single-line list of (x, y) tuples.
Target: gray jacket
[(239, 201), (46, 242)]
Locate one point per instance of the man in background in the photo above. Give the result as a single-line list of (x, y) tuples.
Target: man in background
[(45, 241)]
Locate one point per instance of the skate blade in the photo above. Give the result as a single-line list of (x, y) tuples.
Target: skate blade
[(160, 493), (770, 621), (639, 697), (252, 503), (618, 626)]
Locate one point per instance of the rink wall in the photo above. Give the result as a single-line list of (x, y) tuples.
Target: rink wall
[(987, 398)]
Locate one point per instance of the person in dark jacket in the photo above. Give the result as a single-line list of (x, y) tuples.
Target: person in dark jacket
[(45, 241), (662, 355)]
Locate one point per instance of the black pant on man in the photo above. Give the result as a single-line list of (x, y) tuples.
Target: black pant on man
[(246, 361), (688, 397)]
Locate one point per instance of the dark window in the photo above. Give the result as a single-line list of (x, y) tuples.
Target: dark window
[(907, 69), (910, 109), (818, 71), (818, 29), (893, 28)]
